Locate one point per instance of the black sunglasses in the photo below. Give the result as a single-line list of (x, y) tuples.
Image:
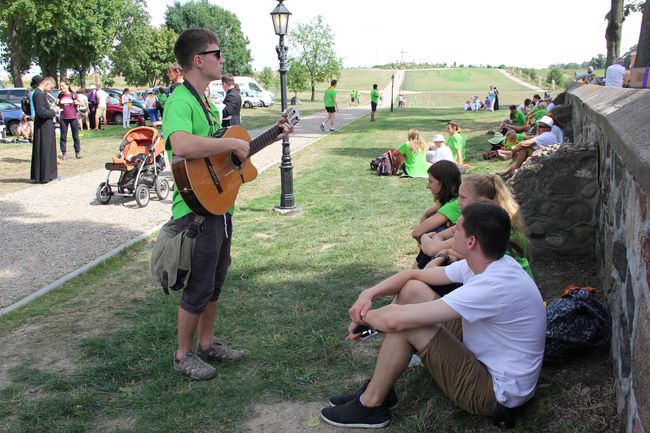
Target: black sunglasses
[(217, 53)]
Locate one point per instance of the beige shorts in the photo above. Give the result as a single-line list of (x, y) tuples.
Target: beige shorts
[(462, 377), (101, 111)]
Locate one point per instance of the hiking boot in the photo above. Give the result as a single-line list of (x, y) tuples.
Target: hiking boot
[(218, 352), (354, 414), (322, 127), (390, 402), (78, 156), (193, 367)]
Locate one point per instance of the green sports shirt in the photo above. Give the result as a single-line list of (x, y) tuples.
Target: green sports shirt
[(374, 96), (330, 95), (184, 113)]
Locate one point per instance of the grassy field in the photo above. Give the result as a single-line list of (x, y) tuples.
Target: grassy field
[(449, 88), (95, 355)]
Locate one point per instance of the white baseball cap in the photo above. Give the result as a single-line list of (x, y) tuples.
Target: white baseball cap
[(438, 137)]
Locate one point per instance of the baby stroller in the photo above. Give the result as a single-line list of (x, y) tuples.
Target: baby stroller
[(139, 162)]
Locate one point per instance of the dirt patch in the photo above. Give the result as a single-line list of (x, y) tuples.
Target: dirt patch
[(290, 417), (123, 423)]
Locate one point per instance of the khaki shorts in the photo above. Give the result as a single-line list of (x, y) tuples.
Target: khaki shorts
[(101, 111), (462, 377)]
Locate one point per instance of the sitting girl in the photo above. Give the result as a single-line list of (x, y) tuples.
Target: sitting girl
[(474, 188), (411, 155), (444, 181), (24, 131)]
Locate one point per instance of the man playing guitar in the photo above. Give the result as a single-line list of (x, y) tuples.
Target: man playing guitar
[(189, 123)]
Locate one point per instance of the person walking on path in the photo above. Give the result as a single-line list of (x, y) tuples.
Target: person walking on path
[(151, 102), (44, 162), (83, 109), (67, 101), (330, 106), (232, 102), (190, 122), (374, 100), (126, 109)]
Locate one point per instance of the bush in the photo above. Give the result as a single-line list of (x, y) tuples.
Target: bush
[(555, 74)]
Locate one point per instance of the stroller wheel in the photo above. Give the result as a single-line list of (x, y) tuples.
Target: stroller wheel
[(104, 193), (142, 195), (162, 188)]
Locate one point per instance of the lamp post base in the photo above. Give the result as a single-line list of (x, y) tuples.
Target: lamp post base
[(288, 211)]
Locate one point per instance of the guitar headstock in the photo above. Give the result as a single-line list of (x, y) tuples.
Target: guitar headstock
[(292, 115)]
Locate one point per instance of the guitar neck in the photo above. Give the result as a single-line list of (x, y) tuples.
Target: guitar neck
[(264, 140)]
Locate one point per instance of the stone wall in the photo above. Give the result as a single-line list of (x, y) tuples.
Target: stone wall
[(615, 123)]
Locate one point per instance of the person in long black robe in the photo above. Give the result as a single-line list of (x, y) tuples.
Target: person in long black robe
[(44, 167)]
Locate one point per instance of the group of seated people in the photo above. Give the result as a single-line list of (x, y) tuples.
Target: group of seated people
[(530, 126), (477, 105), (469, 308), (415, 156)]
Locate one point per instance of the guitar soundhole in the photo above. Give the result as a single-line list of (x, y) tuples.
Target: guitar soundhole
[(235, 160)]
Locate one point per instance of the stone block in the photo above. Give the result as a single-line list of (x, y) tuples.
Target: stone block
[(589, 189), (645, 255), (556, 240), (624, 351), (641, 366), (630, 301), (619, 258), (551, 209), (583, 232), (579, 212), (538, 229)]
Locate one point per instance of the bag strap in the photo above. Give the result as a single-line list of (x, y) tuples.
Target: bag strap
[(204, 104), (196, 226)]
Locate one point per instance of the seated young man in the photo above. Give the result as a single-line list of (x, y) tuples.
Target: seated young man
[(516, 122), (483, 343), (522, 151)]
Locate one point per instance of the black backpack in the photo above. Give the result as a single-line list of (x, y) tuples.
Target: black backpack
[(26, 106), (385, 165)]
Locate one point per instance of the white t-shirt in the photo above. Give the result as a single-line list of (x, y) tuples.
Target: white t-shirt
[(615, 75), (442, 153), (102, 98), (545, 139), (504, 324)]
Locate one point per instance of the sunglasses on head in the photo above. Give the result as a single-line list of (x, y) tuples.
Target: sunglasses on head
[(217, 53)]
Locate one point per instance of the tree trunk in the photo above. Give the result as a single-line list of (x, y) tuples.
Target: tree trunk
[(313, 92), (643, 49), (82, 77), (613, 32), (14, 53)]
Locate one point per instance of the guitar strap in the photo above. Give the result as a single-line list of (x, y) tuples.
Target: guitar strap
[(209, 115)]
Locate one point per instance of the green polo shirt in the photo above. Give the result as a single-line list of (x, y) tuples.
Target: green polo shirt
[(374, 96), (330, 95), (456, 141), (184, 113), (520, 119)]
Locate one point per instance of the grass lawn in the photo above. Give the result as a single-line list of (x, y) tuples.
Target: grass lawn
[(95, 355)]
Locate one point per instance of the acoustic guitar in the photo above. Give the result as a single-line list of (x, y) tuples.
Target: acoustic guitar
[(210, 185)]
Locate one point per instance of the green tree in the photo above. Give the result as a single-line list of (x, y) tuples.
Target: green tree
[(268, 78), (155, 50), (13, 15), (297, 78), (314, 45), (202, 14), (555, 74)]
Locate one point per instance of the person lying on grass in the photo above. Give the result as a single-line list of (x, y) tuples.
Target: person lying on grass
[(444, 180), (483, 343)]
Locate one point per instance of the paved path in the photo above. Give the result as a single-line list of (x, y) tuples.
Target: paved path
[(52, 232), (522, 82)]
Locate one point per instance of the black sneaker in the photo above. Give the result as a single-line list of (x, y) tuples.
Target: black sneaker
[(391, 401), (322, 127), (354, 414)]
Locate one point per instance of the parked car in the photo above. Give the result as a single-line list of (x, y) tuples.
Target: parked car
[(114, 93), (14, 95), (114, 113), (11, 113), (250, 99)]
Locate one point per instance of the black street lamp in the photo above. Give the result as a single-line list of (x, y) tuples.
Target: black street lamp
[(280, 16), (392, 84)]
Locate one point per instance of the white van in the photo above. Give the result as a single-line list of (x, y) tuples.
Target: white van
[(248, 83)]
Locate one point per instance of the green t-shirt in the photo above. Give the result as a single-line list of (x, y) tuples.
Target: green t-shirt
[(416, 163), (184, 113), (357, 96), (539, 114), (330, 94), (520, 119), (516, 238), (457, 141), (451, 210), (162, 98), (374, 96)]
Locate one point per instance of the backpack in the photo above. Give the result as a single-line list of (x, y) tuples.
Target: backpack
[(26, 106), (385, 165), (574, 322)]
